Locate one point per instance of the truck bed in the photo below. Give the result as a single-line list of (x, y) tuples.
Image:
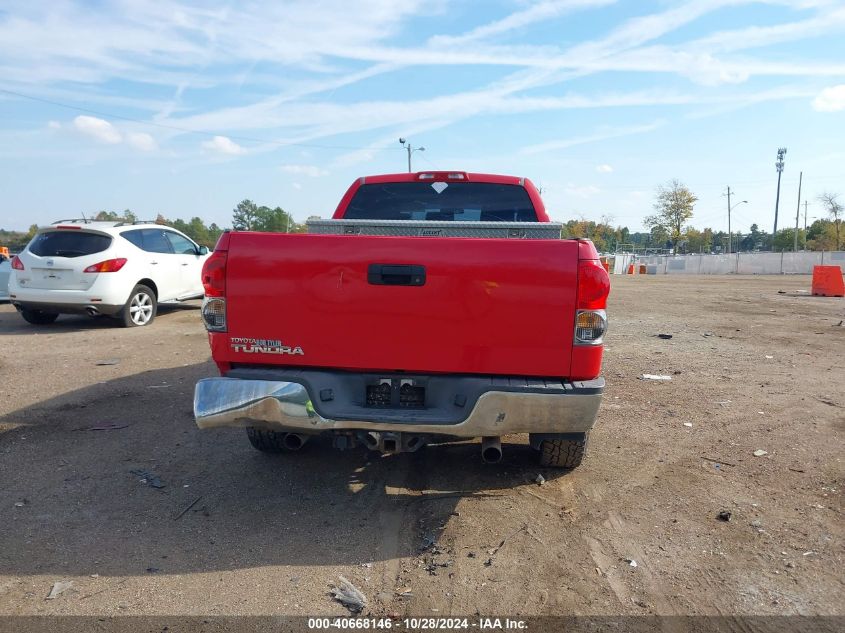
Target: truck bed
[(461, 306)]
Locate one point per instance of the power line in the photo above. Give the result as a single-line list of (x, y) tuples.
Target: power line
[(176, 128)]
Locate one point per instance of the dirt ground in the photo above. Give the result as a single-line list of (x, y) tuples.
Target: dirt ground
[(233, 531)]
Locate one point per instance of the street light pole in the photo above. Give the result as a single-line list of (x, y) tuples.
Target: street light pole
[(731, 208), (730, 235), (411, 150)]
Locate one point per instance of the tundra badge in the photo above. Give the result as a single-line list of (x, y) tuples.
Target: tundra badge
[(263, 346)]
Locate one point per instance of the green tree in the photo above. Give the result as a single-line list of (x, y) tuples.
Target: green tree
[(658, 237), (272, 220), (244, 216), (754, 241), (113, 216), (674, 204), (834, 210), (821, 236), (785, 239), (698, 241)]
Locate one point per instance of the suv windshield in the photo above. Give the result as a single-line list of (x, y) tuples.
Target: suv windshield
[(68, 244), (441, 201)]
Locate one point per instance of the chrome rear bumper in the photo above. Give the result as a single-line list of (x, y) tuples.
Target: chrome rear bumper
[(286, 406)]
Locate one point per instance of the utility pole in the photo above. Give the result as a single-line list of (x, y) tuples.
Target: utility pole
[(797, 213), (779, 167), (805, 225), (730, 235), (411, 150)]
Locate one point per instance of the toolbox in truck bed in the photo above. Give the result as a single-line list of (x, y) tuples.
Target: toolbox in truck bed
[(426, 228)]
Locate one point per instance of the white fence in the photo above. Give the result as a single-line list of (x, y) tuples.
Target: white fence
[(735, 263)]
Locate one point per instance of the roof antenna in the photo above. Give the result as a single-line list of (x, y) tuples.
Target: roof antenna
[(84, 219)]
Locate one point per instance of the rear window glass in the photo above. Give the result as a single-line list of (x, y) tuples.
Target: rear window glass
[(135, 237), (68, 244), (150, 240), (455, 202)]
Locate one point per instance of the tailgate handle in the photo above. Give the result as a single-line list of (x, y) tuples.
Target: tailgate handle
[(396, 275)]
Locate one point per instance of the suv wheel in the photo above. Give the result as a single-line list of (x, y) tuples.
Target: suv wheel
[(140, 308), (38, 317)]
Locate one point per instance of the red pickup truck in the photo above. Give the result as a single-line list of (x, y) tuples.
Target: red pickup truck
[(434, 306)]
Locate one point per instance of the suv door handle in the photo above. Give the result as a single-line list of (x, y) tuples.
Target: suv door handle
[(153, 263)]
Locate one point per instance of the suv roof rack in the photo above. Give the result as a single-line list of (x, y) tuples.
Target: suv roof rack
[(94, 221), (136, 222)]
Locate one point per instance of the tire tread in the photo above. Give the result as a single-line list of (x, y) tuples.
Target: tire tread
[(39, 317), (265, 441), (561, 453)]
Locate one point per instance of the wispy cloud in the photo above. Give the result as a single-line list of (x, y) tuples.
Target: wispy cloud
[(98, 129), (141, 141), (306, 170), (520, 19), (622, 50), (830, 99), (607, 133), (223, 145), (107, 133), (167, 41), (189, 46), (604, 169), (581, 191)]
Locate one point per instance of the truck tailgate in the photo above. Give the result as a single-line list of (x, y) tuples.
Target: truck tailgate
[(474, 306)]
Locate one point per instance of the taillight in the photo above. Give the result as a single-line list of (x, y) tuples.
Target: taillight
[(214, 283), (214, 274), (593, 289), (214, 314), (107, 266), (593, 285), (590, 326), (17, 264)]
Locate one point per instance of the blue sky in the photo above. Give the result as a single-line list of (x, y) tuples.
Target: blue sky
[(184, 108)]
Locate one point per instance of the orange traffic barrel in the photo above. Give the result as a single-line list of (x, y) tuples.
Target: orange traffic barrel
[(606, 265), (642, 269), (827, 281), (630, 269)]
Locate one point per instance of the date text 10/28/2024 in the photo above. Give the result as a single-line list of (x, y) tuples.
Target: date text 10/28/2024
[(417, 624)]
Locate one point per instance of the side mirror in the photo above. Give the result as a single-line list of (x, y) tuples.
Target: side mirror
[(203, 250)]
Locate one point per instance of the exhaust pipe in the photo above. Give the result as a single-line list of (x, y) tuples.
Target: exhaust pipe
[(92, 311), (373, 440), (294, 441), (491, 450)]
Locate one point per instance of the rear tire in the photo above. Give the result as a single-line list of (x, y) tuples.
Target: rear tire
[(563, 453), (141, 307), (266, 441), (38, 317)]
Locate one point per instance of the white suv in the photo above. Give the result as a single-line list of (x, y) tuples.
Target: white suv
[(118, 269)]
